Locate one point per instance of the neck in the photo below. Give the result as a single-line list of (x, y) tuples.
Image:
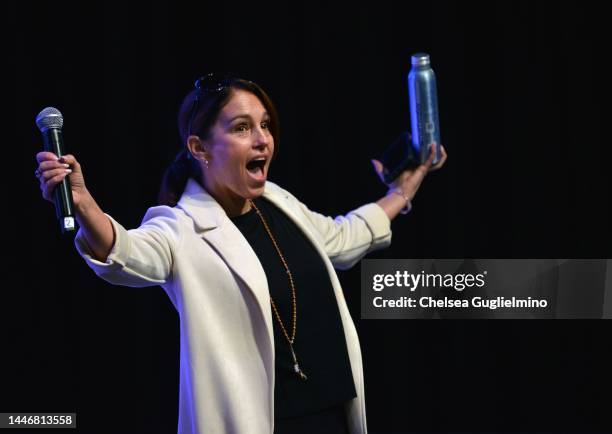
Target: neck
[(235, 208), (232, 204)]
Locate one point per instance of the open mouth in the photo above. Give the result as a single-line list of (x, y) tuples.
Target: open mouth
[(256, 167)]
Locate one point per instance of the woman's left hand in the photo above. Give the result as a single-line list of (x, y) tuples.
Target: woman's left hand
[(410, 180)]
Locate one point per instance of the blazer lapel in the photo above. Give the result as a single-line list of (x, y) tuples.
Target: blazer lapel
[(281, 202), (213, 225)]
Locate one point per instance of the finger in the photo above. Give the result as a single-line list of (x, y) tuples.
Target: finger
[(442, 159), (49, 174), (51, 164), (50, 185), (432, 154), (378, 166), (380, 170), (424, 167), (45, 194), (427, 165), (69, 159), (45, 156)]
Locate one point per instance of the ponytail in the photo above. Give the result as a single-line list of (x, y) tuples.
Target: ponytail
[(175, 178)]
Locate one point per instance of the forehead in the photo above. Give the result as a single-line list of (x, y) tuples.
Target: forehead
[(243, 103)]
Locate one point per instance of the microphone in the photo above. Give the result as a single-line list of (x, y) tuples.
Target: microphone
[(50, 122)]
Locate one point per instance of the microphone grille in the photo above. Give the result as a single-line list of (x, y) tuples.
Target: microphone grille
[(49, 117)]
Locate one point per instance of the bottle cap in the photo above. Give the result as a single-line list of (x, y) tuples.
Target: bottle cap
[(420, 59)]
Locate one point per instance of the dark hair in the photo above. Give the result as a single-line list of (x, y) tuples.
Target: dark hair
[(208, 108)]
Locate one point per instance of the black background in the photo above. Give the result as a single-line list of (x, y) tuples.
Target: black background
[(521, 88)]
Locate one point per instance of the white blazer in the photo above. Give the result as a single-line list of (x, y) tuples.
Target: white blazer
[(219, 288)]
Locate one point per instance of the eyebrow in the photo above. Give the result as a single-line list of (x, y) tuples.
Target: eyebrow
[(265, 116)]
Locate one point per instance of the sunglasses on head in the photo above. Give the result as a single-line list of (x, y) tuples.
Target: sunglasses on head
[(207, 84)]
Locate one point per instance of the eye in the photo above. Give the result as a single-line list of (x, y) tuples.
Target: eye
[(242, 127), (265, 125)]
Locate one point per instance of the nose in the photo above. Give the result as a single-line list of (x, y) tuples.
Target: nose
[(262, 138)]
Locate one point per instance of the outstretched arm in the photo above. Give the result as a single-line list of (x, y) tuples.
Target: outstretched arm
[(139, 257)]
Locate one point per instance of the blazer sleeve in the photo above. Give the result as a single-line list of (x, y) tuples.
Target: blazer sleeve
[(348, 238), (140, 257)]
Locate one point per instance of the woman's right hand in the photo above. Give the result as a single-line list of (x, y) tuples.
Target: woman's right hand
[(51, 171)]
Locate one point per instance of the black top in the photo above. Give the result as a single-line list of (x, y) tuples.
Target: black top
[(319, 345)]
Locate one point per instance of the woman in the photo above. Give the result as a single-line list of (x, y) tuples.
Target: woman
[(267, 341)]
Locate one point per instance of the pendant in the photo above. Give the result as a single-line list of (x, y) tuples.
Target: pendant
[(296, 366)]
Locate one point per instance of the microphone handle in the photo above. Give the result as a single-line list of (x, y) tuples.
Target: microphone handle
[(64, 208)]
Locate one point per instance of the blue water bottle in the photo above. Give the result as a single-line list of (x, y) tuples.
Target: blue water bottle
[(423, 107)]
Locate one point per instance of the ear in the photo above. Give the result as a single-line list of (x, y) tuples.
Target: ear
[(197, 148)]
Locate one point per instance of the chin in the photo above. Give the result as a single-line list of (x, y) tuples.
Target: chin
[(253, 192)]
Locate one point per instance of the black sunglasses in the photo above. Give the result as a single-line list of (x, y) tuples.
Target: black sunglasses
[(209, 83)]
